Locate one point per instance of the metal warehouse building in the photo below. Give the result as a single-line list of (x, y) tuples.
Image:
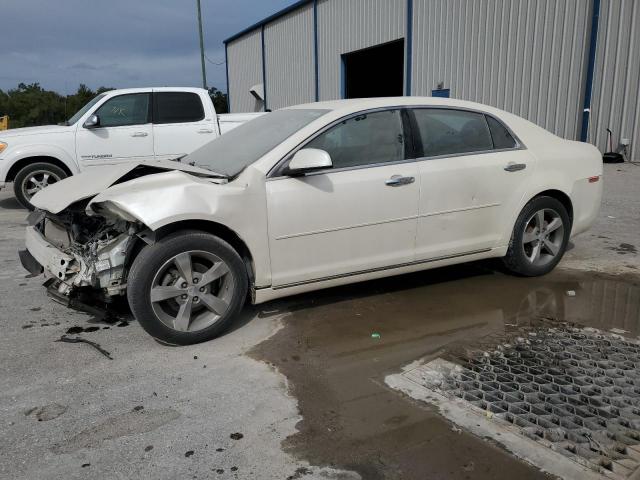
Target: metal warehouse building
[(571, 66)]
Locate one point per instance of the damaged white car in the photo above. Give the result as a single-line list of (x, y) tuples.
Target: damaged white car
[(311, 197)]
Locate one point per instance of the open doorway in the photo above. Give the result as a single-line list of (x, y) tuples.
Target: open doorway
[(374, 72)]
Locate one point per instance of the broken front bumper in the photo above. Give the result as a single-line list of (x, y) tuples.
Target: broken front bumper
[(42, 252), (103, 270)]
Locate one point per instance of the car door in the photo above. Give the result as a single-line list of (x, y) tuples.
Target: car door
[(472, 176), (181, 124), (124, 133), (356, 217)]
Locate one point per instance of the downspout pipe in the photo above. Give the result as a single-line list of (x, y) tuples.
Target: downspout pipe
[(409, 54), (226, 64), (593, 44), (264, 71), (315, 50)]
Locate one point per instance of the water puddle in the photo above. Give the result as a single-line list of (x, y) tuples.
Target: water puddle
[(338, 345)]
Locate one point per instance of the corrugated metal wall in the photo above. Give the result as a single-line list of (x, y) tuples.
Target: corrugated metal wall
[(290, 59), (244, 61), (616, 89), (523, 56), (349, 25)]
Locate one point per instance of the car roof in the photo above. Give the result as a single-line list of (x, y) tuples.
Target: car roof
[(357, 104), (121, 91)]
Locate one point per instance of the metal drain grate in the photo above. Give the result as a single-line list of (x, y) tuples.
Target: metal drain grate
[(574, 390)]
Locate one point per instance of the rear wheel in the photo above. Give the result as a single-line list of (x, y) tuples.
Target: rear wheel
[(33, 178), (539, 238), (187, 288)]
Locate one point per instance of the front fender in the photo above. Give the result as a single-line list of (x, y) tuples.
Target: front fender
[(162, 199), (20, 152)]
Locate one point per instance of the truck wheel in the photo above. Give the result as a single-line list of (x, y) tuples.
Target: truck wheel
[(539, 238), (187, 288), (33, 178)]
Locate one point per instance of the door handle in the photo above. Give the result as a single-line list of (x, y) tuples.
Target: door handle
[(399, 180), (205, 130), (515, 167), (139, 134)]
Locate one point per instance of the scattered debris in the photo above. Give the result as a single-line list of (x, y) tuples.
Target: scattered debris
[(456, 429), (84, 465), (195, 357), (220, 471), (299, 473), (138, 408), (188, 453), (46, 412), (219, 449), (66, 339), (148, 448), (375, 335), (75, 330), (469, 467), (236, 436), (571, 293)]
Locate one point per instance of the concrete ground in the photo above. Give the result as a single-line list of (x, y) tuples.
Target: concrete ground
[(296, 389)]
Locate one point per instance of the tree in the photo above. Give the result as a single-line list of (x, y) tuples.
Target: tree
[(30, 105), (219, 99)]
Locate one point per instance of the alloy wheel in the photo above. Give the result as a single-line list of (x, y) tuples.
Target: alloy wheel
[(192, 291), (543, 237), (38, 180)]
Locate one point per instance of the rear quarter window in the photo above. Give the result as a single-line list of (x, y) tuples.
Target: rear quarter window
[(500, 135)]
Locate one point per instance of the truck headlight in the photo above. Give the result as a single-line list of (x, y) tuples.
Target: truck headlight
[(3, 146)]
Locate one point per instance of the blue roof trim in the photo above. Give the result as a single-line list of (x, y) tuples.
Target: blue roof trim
[(263, 22)]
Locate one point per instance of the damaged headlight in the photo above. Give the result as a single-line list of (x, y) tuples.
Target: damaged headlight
[(110, 209)]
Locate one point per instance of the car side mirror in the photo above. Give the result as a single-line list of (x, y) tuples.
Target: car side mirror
[(308, 160), (92, 122)]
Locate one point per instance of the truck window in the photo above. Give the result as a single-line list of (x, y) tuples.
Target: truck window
[(177, 107), (129, 109)]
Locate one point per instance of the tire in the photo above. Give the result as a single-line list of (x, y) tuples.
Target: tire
[(551, 240), (160, 271), (44, 174)]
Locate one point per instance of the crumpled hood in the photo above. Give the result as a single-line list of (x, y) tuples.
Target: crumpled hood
[(20, 132), (95, 180)]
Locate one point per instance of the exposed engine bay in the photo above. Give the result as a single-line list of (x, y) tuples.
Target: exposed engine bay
[(92, 249)]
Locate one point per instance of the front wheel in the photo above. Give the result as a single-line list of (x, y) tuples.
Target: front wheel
[(539, 238), (33, 178), (187, 288)]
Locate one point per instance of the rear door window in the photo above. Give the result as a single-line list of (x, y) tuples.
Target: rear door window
[(177, 107), (452, 132)]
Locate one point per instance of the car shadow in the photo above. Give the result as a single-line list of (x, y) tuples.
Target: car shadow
[(11, 204)]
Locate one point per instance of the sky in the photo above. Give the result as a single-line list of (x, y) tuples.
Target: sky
[(119, 43)]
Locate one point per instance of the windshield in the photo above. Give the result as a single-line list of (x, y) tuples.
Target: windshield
[(234, 151), (84, 109)]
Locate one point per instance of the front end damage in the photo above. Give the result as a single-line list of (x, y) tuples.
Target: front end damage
[(82, 252)]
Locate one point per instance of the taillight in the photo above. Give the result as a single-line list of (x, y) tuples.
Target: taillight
[(594, 179)]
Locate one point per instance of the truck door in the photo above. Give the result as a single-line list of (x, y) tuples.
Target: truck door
[(181, 123), (124, 132)]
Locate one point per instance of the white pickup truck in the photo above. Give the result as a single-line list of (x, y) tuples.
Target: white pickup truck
[(115, 127)]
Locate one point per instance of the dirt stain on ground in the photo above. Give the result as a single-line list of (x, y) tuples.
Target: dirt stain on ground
[(336, 367)]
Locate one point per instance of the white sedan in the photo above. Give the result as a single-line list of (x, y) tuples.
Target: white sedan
[(310, 197)]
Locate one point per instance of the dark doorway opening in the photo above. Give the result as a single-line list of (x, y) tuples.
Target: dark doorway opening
[(374, 72)]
